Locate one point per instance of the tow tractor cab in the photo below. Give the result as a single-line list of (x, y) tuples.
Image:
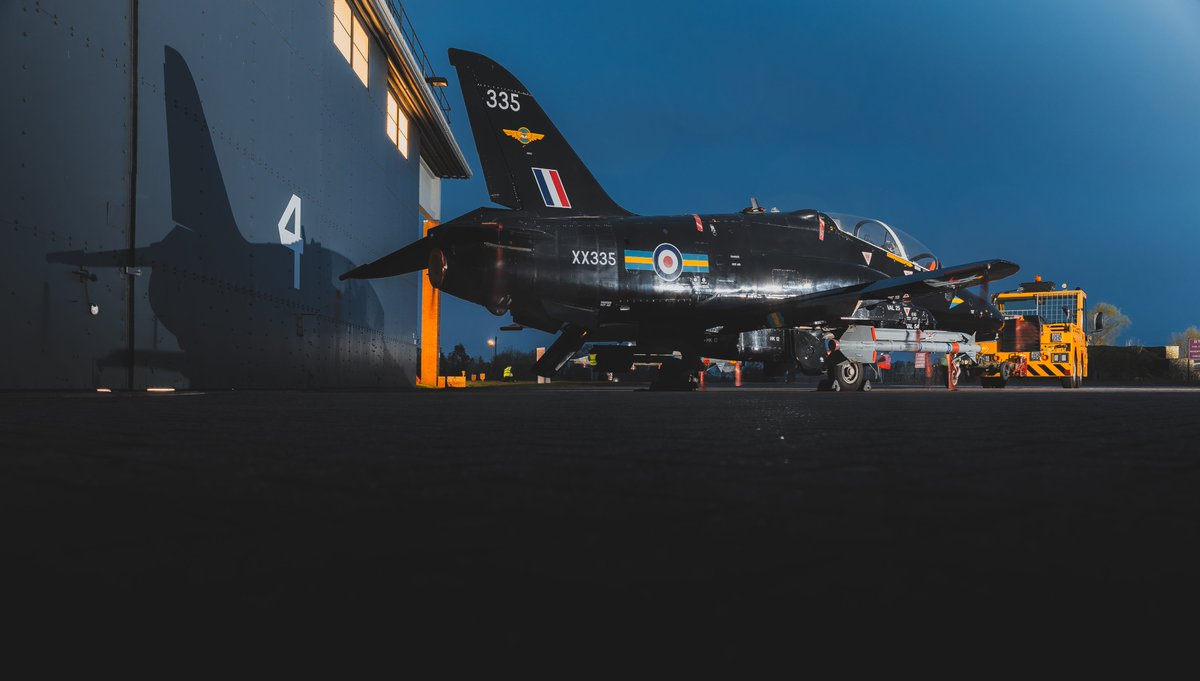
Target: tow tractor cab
[(1043, 336)]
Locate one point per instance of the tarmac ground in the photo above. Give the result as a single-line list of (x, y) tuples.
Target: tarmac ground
[(536, 513)]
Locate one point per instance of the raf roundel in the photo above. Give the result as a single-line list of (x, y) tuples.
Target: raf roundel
[(668, 262)]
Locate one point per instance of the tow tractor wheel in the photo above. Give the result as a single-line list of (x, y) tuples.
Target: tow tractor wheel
[(848, 376), (999, 380), (1072, 381)]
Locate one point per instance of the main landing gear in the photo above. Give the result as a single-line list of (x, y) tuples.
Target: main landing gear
[(845, 376), (678, 374)]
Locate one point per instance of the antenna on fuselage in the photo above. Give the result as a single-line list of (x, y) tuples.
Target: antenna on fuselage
[(754, 207)]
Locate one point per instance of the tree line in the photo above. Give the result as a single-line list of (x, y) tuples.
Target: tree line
[(458, 360), (1116, 322)]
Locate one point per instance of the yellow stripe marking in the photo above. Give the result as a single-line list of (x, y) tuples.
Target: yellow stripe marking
[(898, 259), (639, 260), (695, 263)]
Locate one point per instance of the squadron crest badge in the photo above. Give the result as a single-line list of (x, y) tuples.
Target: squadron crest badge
[(523, 135)]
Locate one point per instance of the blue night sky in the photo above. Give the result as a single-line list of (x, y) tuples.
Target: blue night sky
[(1063, 135)]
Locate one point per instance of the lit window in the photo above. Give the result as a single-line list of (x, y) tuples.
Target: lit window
[(397, 125), (342, 20), (351, 38)]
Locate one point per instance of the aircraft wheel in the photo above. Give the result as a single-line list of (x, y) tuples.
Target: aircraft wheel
[(848, 376), (673, 375)]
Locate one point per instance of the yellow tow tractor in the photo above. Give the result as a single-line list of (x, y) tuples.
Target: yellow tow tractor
[(1043, 336)]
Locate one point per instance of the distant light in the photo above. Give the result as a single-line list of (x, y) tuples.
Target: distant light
[(160, 390), (491, 342), (1038, 278), (103, 390), (437, 81)]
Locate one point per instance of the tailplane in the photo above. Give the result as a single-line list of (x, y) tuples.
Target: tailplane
[(527, 163)]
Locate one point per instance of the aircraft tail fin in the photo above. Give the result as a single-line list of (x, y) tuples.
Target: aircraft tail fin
[(198, 197), (526, 161)]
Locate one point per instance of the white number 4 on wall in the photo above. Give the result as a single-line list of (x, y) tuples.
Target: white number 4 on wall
[(292, 238)]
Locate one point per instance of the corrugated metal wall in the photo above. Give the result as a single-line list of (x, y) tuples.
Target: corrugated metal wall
[(246, 112)]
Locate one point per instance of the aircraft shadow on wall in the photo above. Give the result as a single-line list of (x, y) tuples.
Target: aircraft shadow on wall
[(812, 290), (238, 310)]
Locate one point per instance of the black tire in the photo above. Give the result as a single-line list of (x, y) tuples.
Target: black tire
[(848, 376), (673, 375), (1071, 381)]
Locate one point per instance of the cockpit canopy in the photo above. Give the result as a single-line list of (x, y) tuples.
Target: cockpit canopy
[(888, 238)]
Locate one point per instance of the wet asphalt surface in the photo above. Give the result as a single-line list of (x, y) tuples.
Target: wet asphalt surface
[(546, 514)]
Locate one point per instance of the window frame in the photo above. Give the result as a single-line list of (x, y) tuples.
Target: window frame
[(397, 127), (353, 41)]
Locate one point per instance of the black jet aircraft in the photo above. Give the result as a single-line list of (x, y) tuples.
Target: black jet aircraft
[(807, 289)]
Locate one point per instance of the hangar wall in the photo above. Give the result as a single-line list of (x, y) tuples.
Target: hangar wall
[(179, 217)]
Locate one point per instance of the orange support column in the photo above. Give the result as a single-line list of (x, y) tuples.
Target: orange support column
[(430, 327)]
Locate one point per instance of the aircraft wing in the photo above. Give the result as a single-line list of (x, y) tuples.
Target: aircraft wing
[(835, 303), (947, 278)]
